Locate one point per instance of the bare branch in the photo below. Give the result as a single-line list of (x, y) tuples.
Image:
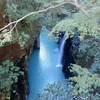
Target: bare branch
[(52, 7), (8, 25), (13, 27), (76, 2)]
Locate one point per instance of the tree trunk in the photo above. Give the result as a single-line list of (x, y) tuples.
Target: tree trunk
[(1, 16)]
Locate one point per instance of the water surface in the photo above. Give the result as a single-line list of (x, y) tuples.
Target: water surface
[(42, 66)]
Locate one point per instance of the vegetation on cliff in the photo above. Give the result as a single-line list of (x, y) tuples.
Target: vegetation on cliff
[(14, 44)]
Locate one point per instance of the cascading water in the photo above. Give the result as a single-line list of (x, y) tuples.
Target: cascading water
[(62, 43)]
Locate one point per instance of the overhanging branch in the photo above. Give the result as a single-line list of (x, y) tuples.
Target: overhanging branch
[(52, 7)]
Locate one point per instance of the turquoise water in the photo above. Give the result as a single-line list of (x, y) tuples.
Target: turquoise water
[(42, 66)]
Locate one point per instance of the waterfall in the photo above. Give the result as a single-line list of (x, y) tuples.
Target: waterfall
[(62, 43)]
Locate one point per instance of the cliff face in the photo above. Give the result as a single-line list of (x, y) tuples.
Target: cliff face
[(68, 56), (22, 86), (20, 57)]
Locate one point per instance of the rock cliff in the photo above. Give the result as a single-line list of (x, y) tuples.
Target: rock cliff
[(22, 86)]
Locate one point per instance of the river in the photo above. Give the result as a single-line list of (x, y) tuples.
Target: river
[(43, 65)]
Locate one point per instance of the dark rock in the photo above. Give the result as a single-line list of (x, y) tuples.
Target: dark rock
[(22, 86), (37, 43), (70, 45), (67, 58)]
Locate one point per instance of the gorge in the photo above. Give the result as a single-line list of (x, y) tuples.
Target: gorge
[(29, 59), (42, 65)]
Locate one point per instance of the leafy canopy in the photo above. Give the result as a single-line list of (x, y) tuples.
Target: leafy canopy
[(8, 75)]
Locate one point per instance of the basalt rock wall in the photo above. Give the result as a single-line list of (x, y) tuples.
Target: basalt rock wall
[(22, 86), (70, 45)]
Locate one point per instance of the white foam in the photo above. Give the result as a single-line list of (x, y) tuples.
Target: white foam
[(58, 65)]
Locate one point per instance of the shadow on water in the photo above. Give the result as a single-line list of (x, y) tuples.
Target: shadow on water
[(42, 66)]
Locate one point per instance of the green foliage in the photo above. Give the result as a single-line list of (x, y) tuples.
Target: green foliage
[(24, 30), (18, 9), (88, 54), (6, 38), (63, 91), (86, 26), (21, 39), (84, 81), (11, 11), (8, 75), (53, 91)]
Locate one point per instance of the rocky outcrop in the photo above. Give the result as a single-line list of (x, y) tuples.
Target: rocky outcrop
[(22, 86), (12, 52), (37, 43), (67, 58), (70, 45)]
